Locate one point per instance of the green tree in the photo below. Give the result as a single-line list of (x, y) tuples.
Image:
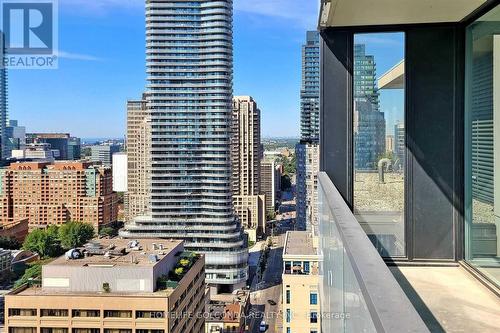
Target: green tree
[(270, 216), (286, 183), (74, 234), (184, 262), (33, 272), (107, 232), (43, 242), (9, 243)]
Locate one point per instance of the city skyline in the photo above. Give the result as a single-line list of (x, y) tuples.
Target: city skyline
[(86, 87), (189, 70), (95, 36)]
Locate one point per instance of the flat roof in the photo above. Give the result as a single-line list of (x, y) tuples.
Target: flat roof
[(299, 243), (227, 313), (120, 252), (39, 291), (351, 13)]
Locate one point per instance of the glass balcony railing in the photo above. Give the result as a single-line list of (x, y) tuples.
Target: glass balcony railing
[(358, 291)]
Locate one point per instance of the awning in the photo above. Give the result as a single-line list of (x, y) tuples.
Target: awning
[(350, 13), (394, 78)]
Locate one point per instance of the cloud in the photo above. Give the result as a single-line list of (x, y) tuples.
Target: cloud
[(77, 56)]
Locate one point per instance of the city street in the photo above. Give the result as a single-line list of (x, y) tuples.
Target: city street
[(266, 294)]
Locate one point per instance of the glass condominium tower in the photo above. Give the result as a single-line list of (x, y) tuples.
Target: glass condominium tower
[(189, 98), (307, 151), (310, 93)]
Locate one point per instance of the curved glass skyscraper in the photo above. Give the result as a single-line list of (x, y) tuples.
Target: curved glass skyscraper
[(189, 74)]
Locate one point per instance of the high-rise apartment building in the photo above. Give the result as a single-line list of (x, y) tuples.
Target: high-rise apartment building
[(120, 163), (113, 286), (309, 94), (268, 174), (15, 136), (104, 153), (399, 145), (137, 198), (301, 280), (307, 185), (69, 147), (308, 149), (3, 103), (189, 75), (55, 193), (369, 122), (245, 146), (249, 204), (389, 143)]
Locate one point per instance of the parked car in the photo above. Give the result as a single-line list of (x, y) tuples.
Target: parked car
[(262, 326)]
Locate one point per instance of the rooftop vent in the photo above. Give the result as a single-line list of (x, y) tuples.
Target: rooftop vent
[(153, 258), (133, 244), (73, 254), (93, 245)]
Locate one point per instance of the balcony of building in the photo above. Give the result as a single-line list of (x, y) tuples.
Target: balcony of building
[(409, 209), (363, 293)]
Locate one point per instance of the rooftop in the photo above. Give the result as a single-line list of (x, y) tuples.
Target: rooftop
[(227, 313), (119, 252), (115, 268), (54, 165), (299, 243)]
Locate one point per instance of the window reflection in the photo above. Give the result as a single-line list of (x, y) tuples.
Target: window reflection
[(379, 139), (483, 135)]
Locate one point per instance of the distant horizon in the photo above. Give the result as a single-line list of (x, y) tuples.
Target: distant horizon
[(102, 65)]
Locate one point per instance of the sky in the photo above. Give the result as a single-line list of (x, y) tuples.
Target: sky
[(102, 65)]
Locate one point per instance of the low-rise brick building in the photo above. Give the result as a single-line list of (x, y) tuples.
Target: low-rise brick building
[(55, 193)]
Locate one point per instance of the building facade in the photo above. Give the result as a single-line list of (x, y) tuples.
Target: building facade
[(251, 210), (309, 94), (35, 151), (17, 229), (55, 193), (15, 136), (369, 122), (307, 185), (90, 291), (399, 145), (268, 175), (137, 198), (245, 145), (307, 150), (301, 303), (69, 147), (4, 106), (189, 65), (120, 163), (245, 161), (104, 153)]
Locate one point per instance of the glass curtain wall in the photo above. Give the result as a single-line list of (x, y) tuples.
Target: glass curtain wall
[(379, 139), (483, 145)]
